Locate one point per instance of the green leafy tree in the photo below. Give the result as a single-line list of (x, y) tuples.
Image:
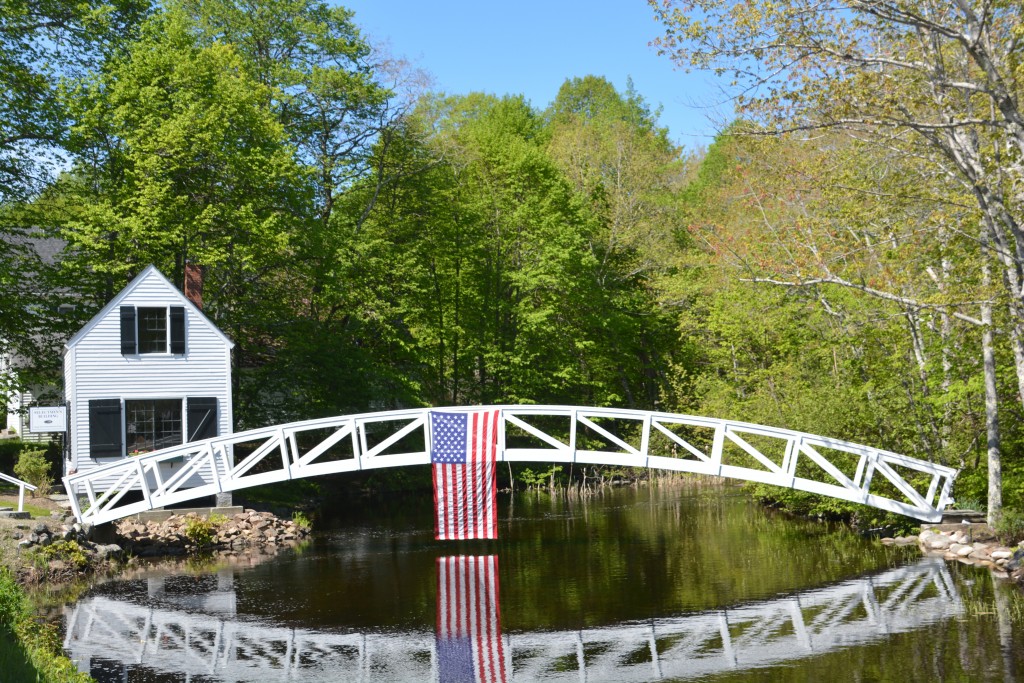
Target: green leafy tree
[(42, 41), (628, 174), (932, 84), (492, 249), (326, 88), (181, 159), (898, 371)]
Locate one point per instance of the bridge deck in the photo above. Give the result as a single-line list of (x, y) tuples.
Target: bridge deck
[(558, 434)]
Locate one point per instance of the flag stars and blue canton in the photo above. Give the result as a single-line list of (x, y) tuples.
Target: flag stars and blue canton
[(449, 433)]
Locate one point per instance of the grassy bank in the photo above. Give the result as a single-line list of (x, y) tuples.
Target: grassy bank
[(30, 650)]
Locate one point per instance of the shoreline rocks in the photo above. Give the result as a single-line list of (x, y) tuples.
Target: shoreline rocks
[(184, 533), (61, 550), (55, 553), (969, 546)]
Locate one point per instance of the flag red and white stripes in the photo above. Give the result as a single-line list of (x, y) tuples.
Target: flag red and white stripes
[(463, 451), (469, 644)]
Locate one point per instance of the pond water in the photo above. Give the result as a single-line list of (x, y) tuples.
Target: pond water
[(671, 583)]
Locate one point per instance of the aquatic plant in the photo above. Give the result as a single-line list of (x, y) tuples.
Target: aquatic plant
[(302, 520), (536, 480)]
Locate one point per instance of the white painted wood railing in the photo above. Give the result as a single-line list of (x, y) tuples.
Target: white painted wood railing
[(22, 485), (528, 433)]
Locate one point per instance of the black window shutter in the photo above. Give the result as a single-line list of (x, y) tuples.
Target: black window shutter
[(105, 428), (128, 338), (178, 330), (202, 418)]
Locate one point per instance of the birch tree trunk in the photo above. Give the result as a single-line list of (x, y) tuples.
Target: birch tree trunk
[(995, 466)]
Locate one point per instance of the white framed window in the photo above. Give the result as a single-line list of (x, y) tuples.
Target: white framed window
[(152, 330), (152, 424)]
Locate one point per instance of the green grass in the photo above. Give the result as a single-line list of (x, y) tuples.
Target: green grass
[(29, 507), (35, 510)]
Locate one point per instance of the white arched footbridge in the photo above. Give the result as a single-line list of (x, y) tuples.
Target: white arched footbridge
[(559, 434)]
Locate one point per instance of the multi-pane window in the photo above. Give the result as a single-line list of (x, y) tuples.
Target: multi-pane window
[(139, 426), (150, 425), (152, 330)]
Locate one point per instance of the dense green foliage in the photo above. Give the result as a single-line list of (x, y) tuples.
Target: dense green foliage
[(29, 651), (369, 245), (33, 467), (904, 194), (825, 358), (10, 449)]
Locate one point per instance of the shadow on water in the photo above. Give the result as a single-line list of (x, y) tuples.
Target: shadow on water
[(633, 584)]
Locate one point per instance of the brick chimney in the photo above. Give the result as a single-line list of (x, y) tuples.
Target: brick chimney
[(194, 284)]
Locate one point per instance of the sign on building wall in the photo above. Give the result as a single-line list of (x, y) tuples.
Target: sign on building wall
[(48, 419)]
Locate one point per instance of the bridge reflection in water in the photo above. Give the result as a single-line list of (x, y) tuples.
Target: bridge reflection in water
[(198, 637)]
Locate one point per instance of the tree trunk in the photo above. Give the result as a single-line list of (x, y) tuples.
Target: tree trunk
[(995, 468)]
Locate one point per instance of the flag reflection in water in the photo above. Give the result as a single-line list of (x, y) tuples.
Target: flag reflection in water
[(469, 644)]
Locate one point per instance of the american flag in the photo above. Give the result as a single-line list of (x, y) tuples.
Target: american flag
[(469, 645), (463, 452)]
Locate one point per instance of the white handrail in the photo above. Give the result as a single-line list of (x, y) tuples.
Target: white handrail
[(599, 436), (22, 485)]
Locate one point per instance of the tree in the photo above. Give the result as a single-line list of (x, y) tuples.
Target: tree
[(496, 286), (40, 42), (627, 173), (934, 82), (336, 99), (820, 357), (323, 81), (181, 159)]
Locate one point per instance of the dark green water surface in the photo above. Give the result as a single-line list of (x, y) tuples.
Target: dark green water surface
[(671, 583)]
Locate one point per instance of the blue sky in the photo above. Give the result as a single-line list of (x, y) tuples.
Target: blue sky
[(530, 47)]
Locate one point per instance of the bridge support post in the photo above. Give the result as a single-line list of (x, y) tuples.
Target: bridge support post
[(224, 499)]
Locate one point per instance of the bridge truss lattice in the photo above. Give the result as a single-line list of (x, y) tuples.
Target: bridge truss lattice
[(528, 433)]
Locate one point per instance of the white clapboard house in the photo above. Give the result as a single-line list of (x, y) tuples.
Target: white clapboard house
[(148, 371)]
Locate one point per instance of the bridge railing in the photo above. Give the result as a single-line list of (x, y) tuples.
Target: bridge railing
[(561, 434), (22, 485)]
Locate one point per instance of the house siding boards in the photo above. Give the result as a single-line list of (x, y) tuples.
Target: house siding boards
[(96, 369)]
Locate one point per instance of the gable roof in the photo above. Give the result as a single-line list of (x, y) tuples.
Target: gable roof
[(47, 249), (148, 272)]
